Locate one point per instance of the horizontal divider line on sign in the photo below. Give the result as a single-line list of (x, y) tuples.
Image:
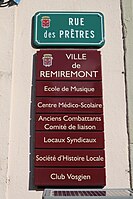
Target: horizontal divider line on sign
[(46, 131), (68, 80), (74, 149), (69, 96), (63, 167), (74, 113), (70, 148)]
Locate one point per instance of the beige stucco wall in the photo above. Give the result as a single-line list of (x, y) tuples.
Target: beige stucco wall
[(20, 86), (127, 11), (6, 61)]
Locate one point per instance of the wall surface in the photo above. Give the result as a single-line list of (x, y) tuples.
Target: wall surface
[(6, 61), (21, 63), (127, 10)]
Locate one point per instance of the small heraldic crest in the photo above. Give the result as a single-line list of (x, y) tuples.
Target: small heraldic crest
[(47, 60), (45, 22)]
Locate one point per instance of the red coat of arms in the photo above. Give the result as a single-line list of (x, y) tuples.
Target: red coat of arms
[(45, 22)]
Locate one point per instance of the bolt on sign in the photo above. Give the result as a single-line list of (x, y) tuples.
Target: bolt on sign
[(69, 29), (69, 122)]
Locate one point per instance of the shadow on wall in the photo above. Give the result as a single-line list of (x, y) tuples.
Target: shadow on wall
[(32, 122), (32, 130)]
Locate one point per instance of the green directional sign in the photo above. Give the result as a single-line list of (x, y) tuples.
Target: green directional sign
[(70, 29)]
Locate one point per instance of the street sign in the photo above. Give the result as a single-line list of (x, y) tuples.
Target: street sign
[(69, 158), (69, 105), (69, 88), (70, 177), (69, 140), (68, 29), (69, 122), (68, 65)]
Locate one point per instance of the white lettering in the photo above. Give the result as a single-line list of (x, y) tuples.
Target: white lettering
[(76, 21), (69, 74)]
